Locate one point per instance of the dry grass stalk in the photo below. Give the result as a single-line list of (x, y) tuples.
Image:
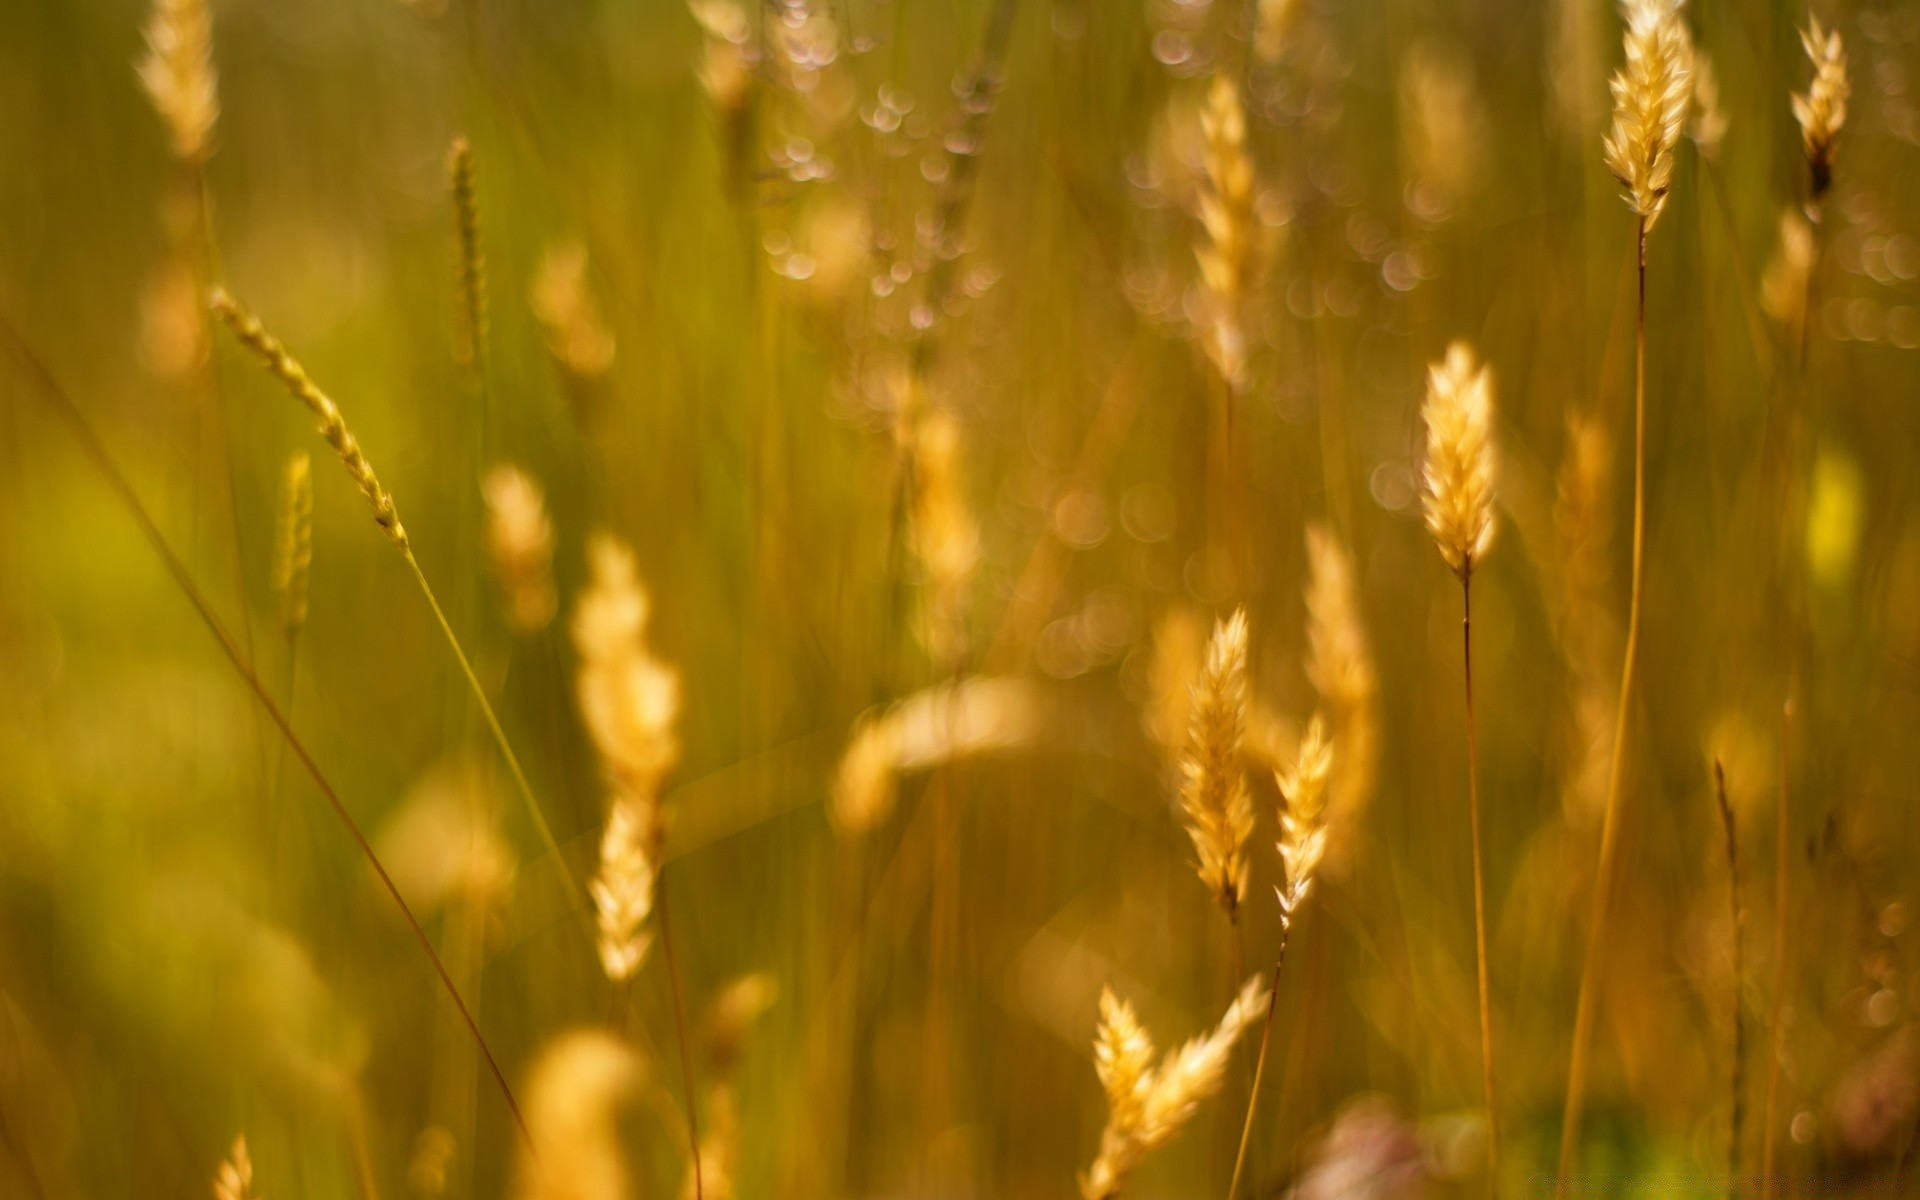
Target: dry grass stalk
[(1341, 668), (729, 1018), (234, 1179), (1651, 93), (333, 427), (630, 702), (1729, 829), (293, 545), (1822, 109), (1225, 252), (1459, 506), (179, 77), (960, 719), (573, 1100), (1213, 789), (1460, 466), (520, 547), (470, 264), (576, 335), (1147, 1105)]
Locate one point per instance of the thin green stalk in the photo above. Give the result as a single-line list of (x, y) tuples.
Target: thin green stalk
[(1610, 819), (95, 450)]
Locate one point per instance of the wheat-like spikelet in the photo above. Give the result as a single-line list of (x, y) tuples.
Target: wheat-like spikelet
[(179, 77), (1822, 109), (1783, 286), (520, 547), (1651, 93), (959, 719), (573, 1099), (729, 1018), (1460, 459), (1708, 128), (234, 1178), (433, 1152), (943, 535), (1444, 131), (1340, 666), (293, 544), (622, 889), (629, 699), (1213, 790), (1225, 250), (569, 316), (470, 263), (1146, 1105), (1303, 815), (726, 71), (247, 328)]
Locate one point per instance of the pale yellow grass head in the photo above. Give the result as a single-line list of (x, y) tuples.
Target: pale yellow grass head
[(234, 1179), (1460, 465), (572, 1101), (1822, 109), (520, 547), (1651, 94), (629, 699), (1213, 790), (179, 78)]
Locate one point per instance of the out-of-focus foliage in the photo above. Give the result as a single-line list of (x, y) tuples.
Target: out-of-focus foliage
[(949, 370)]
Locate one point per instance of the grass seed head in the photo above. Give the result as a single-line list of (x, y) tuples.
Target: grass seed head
[(1460, 460)]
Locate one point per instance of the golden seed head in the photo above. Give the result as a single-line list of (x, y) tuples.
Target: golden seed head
[(1708, 129), (1147, 1105), (572, 1100), (629, 699), (1213, 792), (1272, 21), (733, 1013), (293, 544), (943, 534), (234, 1179), (1783, 287), (1651, 93), (1303, 819), (958, 719), (1822, 109), (520, 547), (470, 264), (1225, 249), (1444, 126), (248, 330), (622, 889), (1460, 460), (569, 316), (179, 78)]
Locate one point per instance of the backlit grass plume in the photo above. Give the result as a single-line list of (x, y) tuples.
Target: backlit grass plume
[(1225, 251), (981, 715), (234, 1179), (1147, 1105), (1651, 92), (574, 1095), (179, 78), (1213, 789), (576, 335), (520, 547), (1460, 460), (1303, 841), (293, 545), (630, 702), (333, 427), (1822, 109)]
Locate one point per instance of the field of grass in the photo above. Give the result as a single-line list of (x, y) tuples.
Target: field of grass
[(832, 580)]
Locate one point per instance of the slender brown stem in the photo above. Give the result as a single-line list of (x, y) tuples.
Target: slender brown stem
[(1731, 832), (1260, 1063), (1479, 889), (1610, 819), (686, 1051), (95, 451), (1775, 1005)]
